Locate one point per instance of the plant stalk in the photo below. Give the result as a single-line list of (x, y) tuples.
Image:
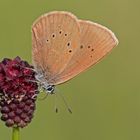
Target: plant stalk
[(15, 133)]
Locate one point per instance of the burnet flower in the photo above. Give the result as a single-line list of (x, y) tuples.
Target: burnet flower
[(17, 92)]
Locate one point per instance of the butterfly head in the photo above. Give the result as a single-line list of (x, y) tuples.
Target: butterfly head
[(49, 89)]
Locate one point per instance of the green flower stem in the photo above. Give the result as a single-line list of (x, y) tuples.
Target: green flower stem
[(15, 133)]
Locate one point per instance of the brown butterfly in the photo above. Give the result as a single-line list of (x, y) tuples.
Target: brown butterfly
[(64, 46)]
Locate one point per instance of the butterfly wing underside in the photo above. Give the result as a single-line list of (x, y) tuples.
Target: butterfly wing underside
[(55, 37), (96, 41)]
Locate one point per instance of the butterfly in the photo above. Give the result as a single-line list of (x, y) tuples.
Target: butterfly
[(63, 46)]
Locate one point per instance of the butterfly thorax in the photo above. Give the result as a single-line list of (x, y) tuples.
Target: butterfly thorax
[(44, 84)]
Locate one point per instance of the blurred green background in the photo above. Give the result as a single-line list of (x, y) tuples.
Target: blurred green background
[(105, 99)]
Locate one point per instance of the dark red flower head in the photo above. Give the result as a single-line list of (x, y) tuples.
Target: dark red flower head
[(18, 91)]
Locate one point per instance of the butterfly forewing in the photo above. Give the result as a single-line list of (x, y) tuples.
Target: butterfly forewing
[(55, 39), (95, 42)]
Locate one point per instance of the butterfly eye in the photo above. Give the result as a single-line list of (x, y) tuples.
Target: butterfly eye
[(92, 50), (70, 51), (65, 34)]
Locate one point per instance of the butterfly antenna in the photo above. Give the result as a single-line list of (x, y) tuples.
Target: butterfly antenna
[(55, 104), (65, 103)]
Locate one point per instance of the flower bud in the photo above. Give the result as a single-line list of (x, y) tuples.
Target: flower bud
[(18, 90)]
